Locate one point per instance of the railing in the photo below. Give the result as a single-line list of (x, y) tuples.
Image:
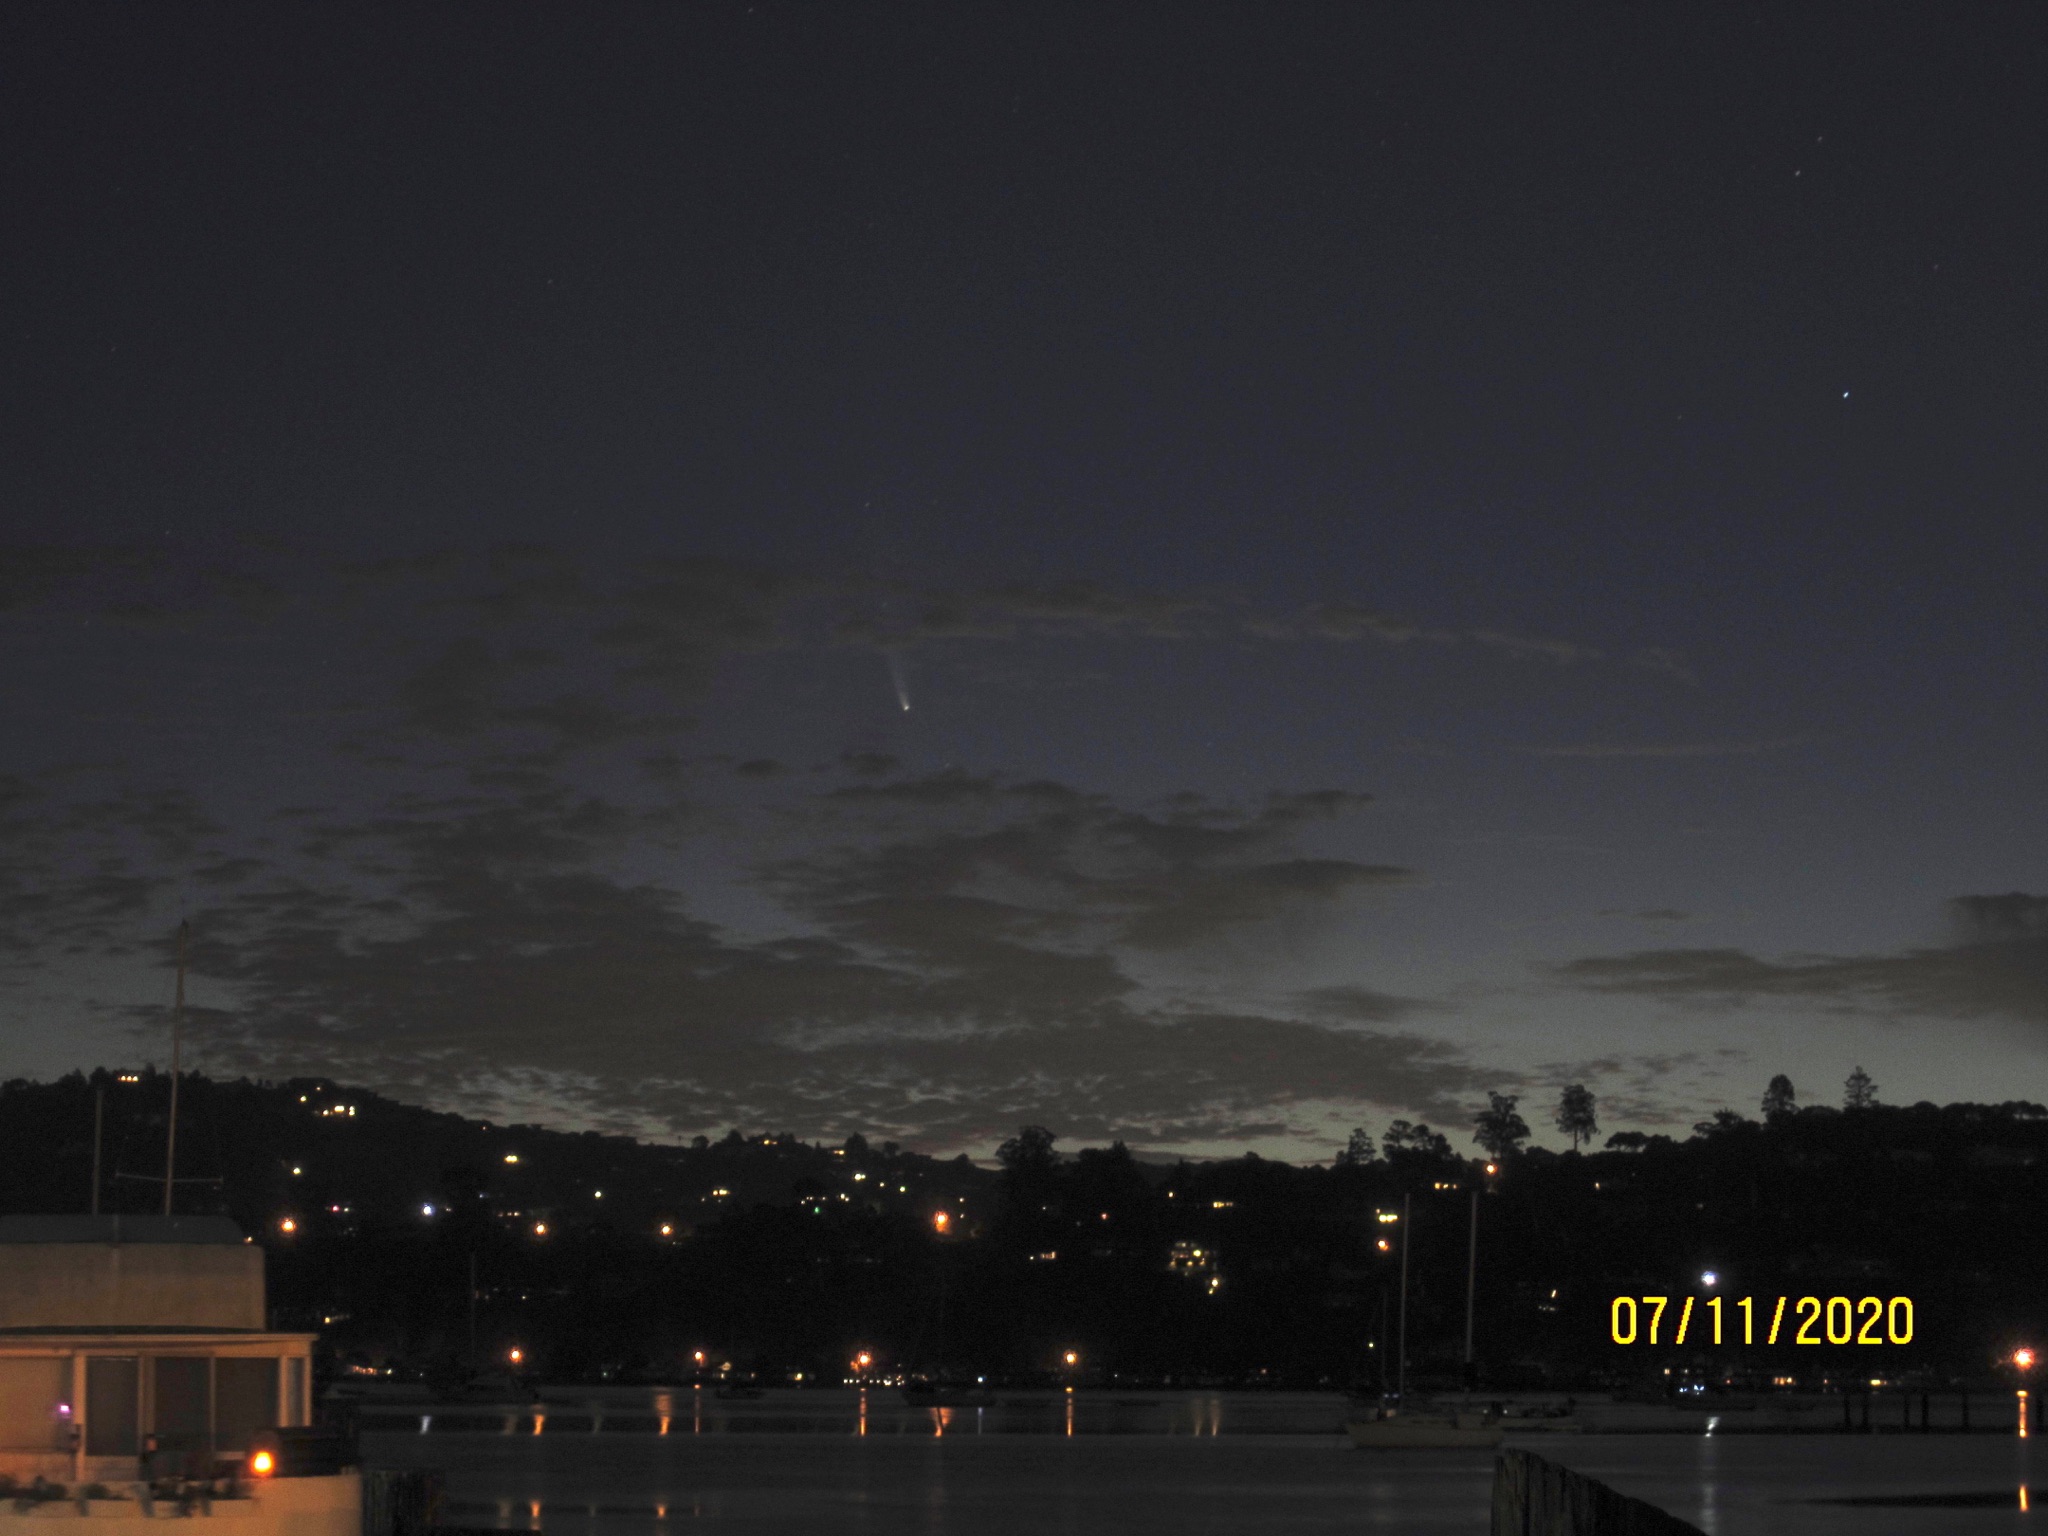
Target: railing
[(1534, 1497)]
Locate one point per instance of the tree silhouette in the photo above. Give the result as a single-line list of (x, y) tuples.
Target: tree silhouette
[(1575, 1114), (1779, 1100), (1403, 1138), (1359, 1150), (1500, 1130), (1858, 1091), (1029, 1151)]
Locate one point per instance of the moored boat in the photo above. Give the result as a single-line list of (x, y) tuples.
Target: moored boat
[(1425, 1428)]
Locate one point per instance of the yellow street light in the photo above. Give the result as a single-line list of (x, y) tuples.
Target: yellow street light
[(1073, 1357), (516, 1355), (540, 1229), (2023, 1358), (287, 1226), (940, 1221)]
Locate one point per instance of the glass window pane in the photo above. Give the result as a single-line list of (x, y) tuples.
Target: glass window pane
[(33, 1394), (111, 1391), (244, 1400), (181, 1389)]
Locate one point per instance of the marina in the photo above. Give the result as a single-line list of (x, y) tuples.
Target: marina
[(596, 1463)]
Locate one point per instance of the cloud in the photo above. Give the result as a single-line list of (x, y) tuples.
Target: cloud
[(1749, 748), (1360, 1004), (1998, 969), (1563, 652), (942, 983)]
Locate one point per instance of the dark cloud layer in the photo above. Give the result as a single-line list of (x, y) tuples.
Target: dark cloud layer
[(1996, 968)]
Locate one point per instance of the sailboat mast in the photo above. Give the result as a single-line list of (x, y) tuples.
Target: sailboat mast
[(99, 1121), (177, 1028)]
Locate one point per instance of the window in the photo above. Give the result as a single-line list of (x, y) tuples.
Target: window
[(182, 1390), (113, 1396), (244, 1400), (33, 1393)]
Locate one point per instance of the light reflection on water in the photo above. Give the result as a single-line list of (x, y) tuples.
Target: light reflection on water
[(880, 1411), (1089, 1464)]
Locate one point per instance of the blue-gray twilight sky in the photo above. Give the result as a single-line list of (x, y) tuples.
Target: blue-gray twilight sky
[(1197, 573)]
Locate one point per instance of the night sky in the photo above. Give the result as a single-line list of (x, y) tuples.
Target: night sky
[(1205, 574)]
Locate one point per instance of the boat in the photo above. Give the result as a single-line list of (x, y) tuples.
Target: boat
[(1425, 1427)]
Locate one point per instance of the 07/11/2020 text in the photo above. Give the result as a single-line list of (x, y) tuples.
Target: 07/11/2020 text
[(1815, 1319)]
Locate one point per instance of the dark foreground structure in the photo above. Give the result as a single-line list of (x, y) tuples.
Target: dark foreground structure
[(1534, 1497)]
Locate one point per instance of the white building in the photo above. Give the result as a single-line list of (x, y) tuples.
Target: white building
[(114, 1328)]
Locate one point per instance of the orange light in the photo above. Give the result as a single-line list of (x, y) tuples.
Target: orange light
[(540, 1229), (287, 1225), (516, 1356), (863, 1359), (1385, 1246), (698, 1357), (940, 1220), (1072, 1358), (1492, 1168), (2023, 1358), (262, 1464)]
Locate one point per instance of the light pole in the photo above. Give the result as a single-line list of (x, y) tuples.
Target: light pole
[(177, 1027), (1471, 1286), (1401, 1370)]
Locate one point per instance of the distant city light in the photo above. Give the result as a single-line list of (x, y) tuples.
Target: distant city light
[(540, 1229), (287, 1225), (426, 1210), (667, 1230), (511, 1157), (1072, 1357), (1385, 1246), (1708, 1277), (516, 1355), (2023, 1358), (940, 1220)]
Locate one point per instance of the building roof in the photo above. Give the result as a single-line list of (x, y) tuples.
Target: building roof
[(119, 1229)]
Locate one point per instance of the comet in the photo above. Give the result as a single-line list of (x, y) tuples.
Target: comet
[(896, 677)]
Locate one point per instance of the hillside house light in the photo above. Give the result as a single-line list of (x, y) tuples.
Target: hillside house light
[(2023, 1358), (540, 1229), (287, 1226), (1073, 1357), (516, 1355), (511, 1157), (940, 1220)]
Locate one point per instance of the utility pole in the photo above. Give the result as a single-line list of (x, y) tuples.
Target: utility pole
[(1401, 1373), (99, 1121), (177, 1023), (1471, 1288)]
